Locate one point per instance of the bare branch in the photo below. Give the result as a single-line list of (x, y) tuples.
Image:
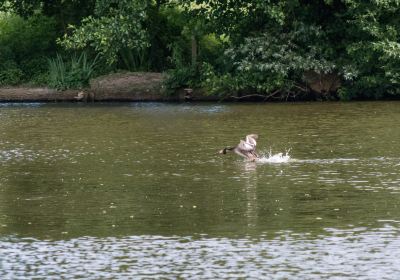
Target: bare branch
[(304, 89), (271, 95), (247, 96)]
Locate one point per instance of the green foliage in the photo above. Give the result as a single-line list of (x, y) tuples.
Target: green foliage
[(275, 61), (74, 73), (221, 84), (374, 49), (199, 76), (240, 18), (115, 27), (211, 49), (184, 74), (180, 78), (24, 44), (10, 74), (165, 26), (63, 12), (35, 70), (27, 37), (242, 46), (272, 44)]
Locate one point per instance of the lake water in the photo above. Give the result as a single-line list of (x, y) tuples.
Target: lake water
[(137, 191)]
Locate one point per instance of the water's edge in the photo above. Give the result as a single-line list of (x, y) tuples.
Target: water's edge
[(43, 94)]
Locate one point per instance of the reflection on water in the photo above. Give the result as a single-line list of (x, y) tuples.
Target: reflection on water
[(335, 253), (138, 189)]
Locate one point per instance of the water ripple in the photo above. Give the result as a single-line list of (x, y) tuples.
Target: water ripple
[(341, 253)]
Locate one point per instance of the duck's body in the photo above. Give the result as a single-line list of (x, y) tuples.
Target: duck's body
[(246, 149)]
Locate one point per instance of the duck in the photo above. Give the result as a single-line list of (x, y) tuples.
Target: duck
[(245, 148), (80, 96)]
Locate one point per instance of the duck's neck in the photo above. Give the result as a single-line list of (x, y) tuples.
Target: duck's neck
[(250, 140)]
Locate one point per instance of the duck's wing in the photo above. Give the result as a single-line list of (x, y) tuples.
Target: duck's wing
[(245, 146), (242, 149), (246, 150)]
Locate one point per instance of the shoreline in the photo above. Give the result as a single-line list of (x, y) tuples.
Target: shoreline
[(127, 87), (47, 95), (26, 94), (116, 87)]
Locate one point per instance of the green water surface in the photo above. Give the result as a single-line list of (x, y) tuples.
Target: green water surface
[(106, 191)]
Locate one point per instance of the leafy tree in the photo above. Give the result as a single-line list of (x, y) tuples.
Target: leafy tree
[(116, 26), (24, 45), (272, 44), (373, 48), (266, 47), (64, 12)]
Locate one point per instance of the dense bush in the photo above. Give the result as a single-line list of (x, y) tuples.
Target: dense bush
[(116, 26), (24, 45), (273, 62), (373, 49), (10, 74), (273, 44), (130, 35)]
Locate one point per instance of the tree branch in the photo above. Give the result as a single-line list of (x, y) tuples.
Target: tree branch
[(271, 95), (301, 88), (246, 96)]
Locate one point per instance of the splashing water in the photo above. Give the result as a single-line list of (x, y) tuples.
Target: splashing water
[(275, 158)]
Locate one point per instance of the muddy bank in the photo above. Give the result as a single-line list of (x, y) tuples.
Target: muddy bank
[(132, 87), (27, 94), (129, 87)]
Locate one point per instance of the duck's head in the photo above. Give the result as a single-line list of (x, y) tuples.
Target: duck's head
[(254, 136)]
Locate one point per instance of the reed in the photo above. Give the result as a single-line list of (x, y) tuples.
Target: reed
[(74, 73)]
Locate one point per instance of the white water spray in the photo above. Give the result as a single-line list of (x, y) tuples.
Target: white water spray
[(275, 158)]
